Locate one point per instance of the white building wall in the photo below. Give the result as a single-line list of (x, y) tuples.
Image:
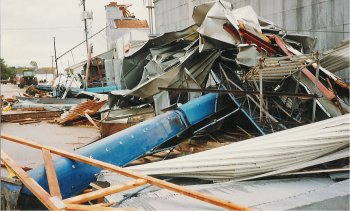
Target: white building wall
[(112, 34), (303, 16)]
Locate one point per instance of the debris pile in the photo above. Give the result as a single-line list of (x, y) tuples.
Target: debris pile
[(85, 110), (263, 69), (31, 91), (233, 97)]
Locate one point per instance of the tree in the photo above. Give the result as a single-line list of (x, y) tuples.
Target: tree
[(34, 64), (6, 72)]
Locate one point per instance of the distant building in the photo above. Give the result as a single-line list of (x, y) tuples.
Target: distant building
[(45, 74)]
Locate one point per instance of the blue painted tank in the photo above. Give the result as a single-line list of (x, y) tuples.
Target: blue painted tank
[(125, 146)]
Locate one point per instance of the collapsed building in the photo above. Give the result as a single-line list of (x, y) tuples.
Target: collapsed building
[(231, 71)]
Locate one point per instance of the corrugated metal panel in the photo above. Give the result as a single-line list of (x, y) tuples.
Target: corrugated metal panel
[(89, 107), (258, 155), (275, 69), (337, 58), (277, 194)]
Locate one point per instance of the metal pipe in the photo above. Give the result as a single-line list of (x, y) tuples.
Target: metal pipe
[(240, 92), (125, 146)]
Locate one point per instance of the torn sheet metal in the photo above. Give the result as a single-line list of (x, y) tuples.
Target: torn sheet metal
[(52, 100), (192, 71), (337, 58), (258, 155), (133, 65), (200, 12), (212, 25), (247, 56), (308, 43)]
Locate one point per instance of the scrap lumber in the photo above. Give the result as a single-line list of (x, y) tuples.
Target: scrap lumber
[(105, 191), (33, 115), (51, 174), (29, 122), (151, 180), (34, 187), (91, 120), (22, 120), (33, 109), (25, 168)]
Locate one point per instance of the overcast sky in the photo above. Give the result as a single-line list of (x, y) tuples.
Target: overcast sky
[(28, 28)]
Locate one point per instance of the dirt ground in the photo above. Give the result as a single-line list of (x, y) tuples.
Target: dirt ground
[(62, 137), (10, 90)]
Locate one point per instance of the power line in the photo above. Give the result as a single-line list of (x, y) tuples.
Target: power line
[(40, 28), (82, 42)]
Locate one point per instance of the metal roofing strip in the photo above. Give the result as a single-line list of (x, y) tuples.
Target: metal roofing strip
[(259, 155)]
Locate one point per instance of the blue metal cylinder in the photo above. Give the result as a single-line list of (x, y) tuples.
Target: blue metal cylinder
[(125, 146)]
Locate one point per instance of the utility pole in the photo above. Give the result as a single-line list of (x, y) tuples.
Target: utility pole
[(51, 68), (52, 64), (54, 46), (86, 30)]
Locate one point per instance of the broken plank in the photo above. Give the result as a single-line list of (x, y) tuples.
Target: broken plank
[(25, 168), (91, 120), (113, 168), (29, 122), (29, 182), (51, 174), (104, 192), (32, 115), (33, 109), (22, 120)]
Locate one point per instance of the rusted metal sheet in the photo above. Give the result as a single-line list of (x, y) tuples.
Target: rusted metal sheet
[(89, 107)]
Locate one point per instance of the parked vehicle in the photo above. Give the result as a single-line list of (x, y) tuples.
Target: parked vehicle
[(28, 78)]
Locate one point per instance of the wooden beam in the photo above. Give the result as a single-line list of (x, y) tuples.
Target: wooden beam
[(33, 115), (91, 120), (104, 192), (29, 182), (51, 174), (151, 180)]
